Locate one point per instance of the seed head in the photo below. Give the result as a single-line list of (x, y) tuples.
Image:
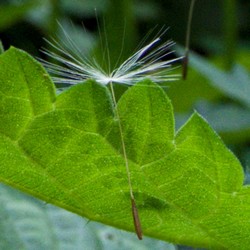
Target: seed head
[(148, 62)]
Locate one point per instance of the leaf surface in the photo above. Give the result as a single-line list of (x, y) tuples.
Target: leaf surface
[(27, 223), (67, 151)]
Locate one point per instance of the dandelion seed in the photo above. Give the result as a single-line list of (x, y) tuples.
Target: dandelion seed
[(148, 62)]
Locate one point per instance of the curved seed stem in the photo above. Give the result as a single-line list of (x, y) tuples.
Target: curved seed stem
[(135, 213)]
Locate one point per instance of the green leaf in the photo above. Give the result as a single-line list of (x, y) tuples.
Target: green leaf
[(25, 91), (27, 223), (188, 186)]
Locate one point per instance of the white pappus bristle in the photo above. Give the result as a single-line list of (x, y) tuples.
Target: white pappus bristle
[(148, 62)]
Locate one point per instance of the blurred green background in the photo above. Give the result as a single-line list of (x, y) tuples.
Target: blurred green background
[(218, 84)]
